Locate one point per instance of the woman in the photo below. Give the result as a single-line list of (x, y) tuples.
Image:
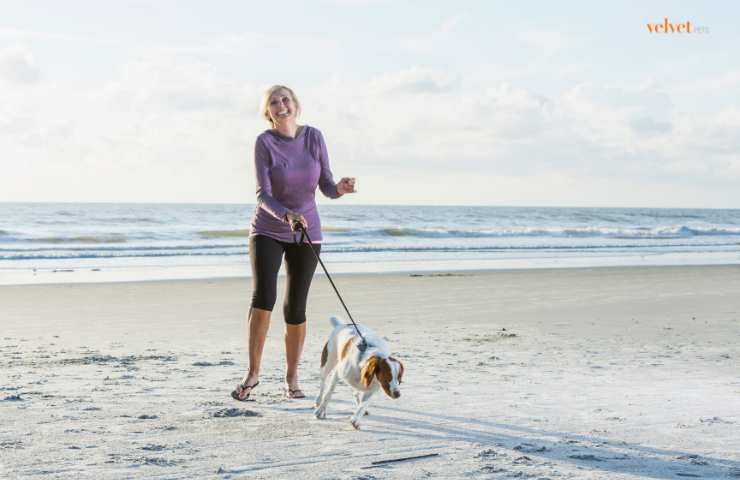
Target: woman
[(291, 161)]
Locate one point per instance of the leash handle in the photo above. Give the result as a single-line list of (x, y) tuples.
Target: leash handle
[(296, 226)]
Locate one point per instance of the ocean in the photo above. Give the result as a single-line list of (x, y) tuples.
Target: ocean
[(63, 242)]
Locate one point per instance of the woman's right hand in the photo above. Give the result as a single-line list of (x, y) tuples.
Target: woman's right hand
[(295, 219)]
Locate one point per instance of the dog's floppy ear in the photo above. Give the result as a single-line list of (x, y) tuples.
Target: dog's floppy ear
[(400, 368), (368, 371)]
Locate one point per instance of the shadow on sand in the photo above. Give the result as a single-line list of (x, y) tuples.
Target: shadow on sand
[(583, 451)]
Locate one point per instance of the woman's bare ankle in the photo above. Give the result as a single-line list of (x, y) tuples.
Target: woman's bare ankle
[(250, 377), (292, 381)]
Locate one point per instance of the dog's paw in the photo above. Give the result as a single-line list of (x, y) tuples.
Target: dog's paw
[(320, 413), (355, 424)]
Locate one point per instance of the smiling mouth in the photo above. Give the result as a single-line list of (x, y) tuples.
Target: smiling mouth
[(283, 114)]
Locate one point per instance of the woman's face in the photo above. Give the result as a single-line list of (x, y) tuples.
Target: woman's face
[(282, 108)]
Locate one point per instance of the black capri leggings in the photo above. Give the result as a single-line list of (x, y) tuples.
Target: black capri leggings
[(266, 256)]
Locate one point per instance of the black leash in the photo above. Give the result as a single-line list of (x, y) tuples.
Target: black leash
[(296, 226)]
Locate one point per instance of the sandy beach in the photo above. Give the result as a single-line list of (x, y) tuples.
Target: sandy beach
[(544, 374)]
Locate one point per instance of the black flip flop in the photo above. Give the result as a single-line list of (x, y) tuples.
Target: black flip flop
[(291, 393), (240, 388)]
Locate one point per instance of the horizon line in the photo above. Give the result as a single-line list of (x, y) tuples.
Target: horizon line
[(9, 202)]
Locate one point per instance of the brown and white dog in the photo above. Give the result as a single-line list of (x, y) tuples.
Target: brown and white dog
[(365, 371)]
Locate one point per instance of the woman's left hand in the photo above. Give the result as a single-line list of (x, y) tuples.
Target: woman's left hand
[(346, 185)]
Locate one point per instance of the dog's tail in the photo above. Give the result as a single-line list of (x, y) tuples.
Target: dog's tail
[(336, 321)]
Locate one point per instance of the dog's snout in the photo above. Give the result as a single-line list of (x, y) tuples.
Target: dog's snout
[(396, 394)]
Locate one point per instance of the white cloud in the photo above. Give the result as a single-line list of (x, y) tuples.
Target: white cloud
[(169, 129), (18, 66), (161, 83), (620, 134), (175, 125), (451, 24), (413, 80), (162, 130), (724, 82), (616, 115), (24, 35)]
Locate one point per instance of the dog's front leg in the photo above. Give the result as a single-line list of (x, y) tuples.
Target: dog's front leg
[(358, 399), (364, 401), (325, 396)]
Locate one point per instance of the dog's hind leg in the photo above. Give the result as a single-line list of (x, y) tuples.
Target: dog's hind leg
[(322, 387), (328, 363), (317, 402)]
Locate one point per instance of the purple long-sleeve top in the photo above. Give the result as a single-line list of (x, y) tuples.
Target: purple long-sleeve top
[(288, 170)]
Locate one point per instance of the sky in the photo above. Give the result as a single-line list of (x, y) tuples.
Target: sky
[(426, 103)]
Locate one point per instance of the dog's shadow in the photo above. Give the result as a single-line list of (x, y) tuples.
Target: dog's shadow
[(583, 451), (337, 407)]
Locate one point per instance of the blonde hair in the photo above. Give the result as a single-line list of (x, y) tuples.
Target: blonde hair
[(265, 108)]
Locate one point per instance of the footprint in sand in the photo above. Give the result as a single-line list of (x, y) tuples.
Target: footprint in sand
[(529, 448), (11, 444), (153, 448), (235, 412), (159, 462), (586, 456), (693, 459), (222, 363), (492, 469), (488, 453), (715, 420)]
